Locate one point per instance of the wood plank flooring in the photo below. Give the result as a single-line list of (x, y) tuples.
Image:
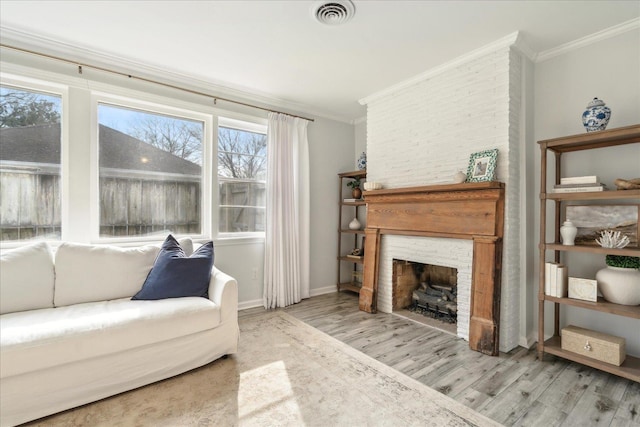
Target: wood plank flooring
[(513, 389)]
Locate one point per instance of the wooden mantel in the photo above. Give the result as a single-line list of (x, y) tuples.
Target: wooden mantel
[(473, 211)]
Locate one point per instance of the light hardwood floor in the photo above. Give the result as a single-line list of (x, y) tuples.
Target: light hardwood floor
[(512, 389)]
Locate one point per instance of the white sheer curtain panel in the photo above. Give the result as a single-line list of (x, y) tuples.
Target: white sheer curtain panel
[(286, 260)]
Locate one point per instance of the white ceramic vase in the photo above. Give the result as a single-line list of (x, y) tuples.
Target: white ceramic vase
[(619, 285), (355, 224), (568, 232)]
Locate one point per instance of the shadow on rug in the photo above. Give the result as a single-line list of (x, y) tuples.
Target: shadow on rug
[(286, 373)]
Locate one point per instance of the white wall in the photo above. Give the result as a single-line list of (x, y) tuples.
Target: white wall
[(331, 148), (360, 129), (610, 70)]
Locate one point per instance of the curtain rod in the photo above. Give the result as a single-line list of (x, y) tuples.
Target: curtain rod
[(144, 79)]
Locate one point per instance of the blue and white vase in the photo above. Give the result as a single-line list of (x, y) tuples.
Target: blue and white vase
[(596, 116), (362, 161)]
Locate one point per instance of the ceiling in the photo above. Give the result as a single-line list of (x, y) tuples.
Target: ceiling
[(275, 49)]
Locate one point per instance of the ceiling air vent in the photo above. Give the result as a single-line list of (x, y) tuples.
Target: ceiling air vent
[(333, 12)]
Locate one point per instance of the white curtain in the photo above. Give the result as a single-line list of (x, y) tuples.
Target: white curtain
[(286, 266)]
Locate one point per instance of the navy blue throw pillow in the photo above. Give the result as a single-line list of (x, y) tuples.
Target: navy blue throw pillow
[(176, 275)]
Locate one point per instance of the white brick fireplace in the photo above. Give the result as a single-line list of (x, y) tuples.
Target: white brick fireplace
[(422, 131), (453, 253)]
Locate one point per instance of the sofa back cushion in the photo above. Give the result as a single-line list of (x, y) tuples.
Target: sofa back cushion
[(87, 273), (26, 278)]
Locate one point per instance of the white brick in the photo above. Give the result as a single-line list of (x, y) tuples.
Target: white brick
[(422, 135)]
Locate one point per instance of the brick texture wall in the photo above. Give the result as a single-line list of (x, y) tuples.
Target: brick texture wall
[(422, 134)]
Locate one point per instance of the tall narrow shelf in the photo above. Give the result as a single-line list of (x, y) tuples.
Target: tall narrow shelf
[(347, 210), (595, 140)]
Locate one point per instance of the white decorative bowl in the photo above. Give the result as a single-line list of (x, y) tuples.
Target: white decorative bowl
[(372, 186)]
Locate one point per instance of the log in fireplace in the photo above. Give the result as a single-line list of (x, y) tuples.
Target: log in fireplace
[(472, 211), (427, 289)]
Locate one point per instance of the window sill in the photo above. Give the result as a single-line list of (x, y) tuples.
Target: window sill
[(231, 239)]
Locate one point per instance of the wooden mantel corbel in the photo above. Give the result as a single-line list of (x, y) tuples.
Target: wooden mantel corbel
[(473, 211)]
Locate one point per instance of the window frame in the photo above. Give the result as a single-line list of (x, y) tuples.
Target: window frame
[(23, 82), (79, 169), (156, 106), (247, 124)]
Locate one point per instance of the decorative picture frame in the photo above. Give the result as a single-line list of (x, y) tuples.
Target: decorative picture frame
[(592, 219), (482, 166)]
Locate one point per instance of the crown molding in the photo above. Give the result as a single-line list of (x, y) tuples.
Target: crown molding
[(359, 120), (523, 47), (25, 40), (616, 30), (491, 47)]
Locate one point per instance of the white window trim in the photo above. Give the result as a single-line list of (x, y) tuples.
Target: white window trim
[(159, 107), (62, 84), (61, 90), (247, 124)]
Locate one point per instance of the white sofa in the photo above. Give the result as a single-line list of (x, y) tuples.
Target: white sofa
[(70, 333)]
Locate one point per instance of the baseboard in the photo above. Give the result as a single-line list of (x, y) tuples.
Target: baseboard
[(250, 304), (312, 293), (528, 341), (321, 291)]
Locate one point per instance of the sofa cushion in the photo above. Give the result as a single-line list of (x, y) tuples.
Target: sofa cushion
[(44, 338), (186, 244), (86, 273), (176, 275), (26, 278)]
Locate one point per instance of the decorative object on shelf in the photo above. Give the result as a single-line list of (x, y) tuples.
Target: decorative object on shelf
[(578, 184), (356, 192), (459, 177), (362, 161), (596, 116), (584, 289), (555, 280), (619, 281), (578, 188), (357, 253), (612, 239), (580, 180), (356, 277), (568, 232), (627, 184), (591, 220), (596, 345), (355, 224), (368, 186), (482, 166)]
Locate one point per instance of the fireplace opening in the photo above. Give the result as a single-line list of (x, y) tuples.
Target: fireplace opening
[(427, 289)]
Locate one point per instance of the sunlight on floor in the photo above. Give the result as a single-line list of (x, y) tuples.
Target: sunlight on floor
[(265, 393)]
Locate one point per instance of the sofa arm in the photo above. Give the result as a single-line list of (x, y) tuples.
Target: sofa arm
[(223, 290)]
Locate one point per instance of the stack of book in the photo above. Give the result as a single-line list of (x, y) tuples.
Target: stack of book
[(579, 184), (555, 279)]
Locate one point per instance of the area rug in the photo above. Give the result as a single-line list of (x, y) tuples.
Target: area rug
[(286, 374)]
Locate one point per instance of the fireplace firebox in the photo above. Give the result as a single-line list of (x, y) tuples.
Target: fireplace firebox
[(427, 289)]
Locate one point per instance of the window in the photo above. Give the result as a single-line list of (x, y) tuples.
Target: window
[(30, 146), (116, 165), (242, 168), (150, 172)]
